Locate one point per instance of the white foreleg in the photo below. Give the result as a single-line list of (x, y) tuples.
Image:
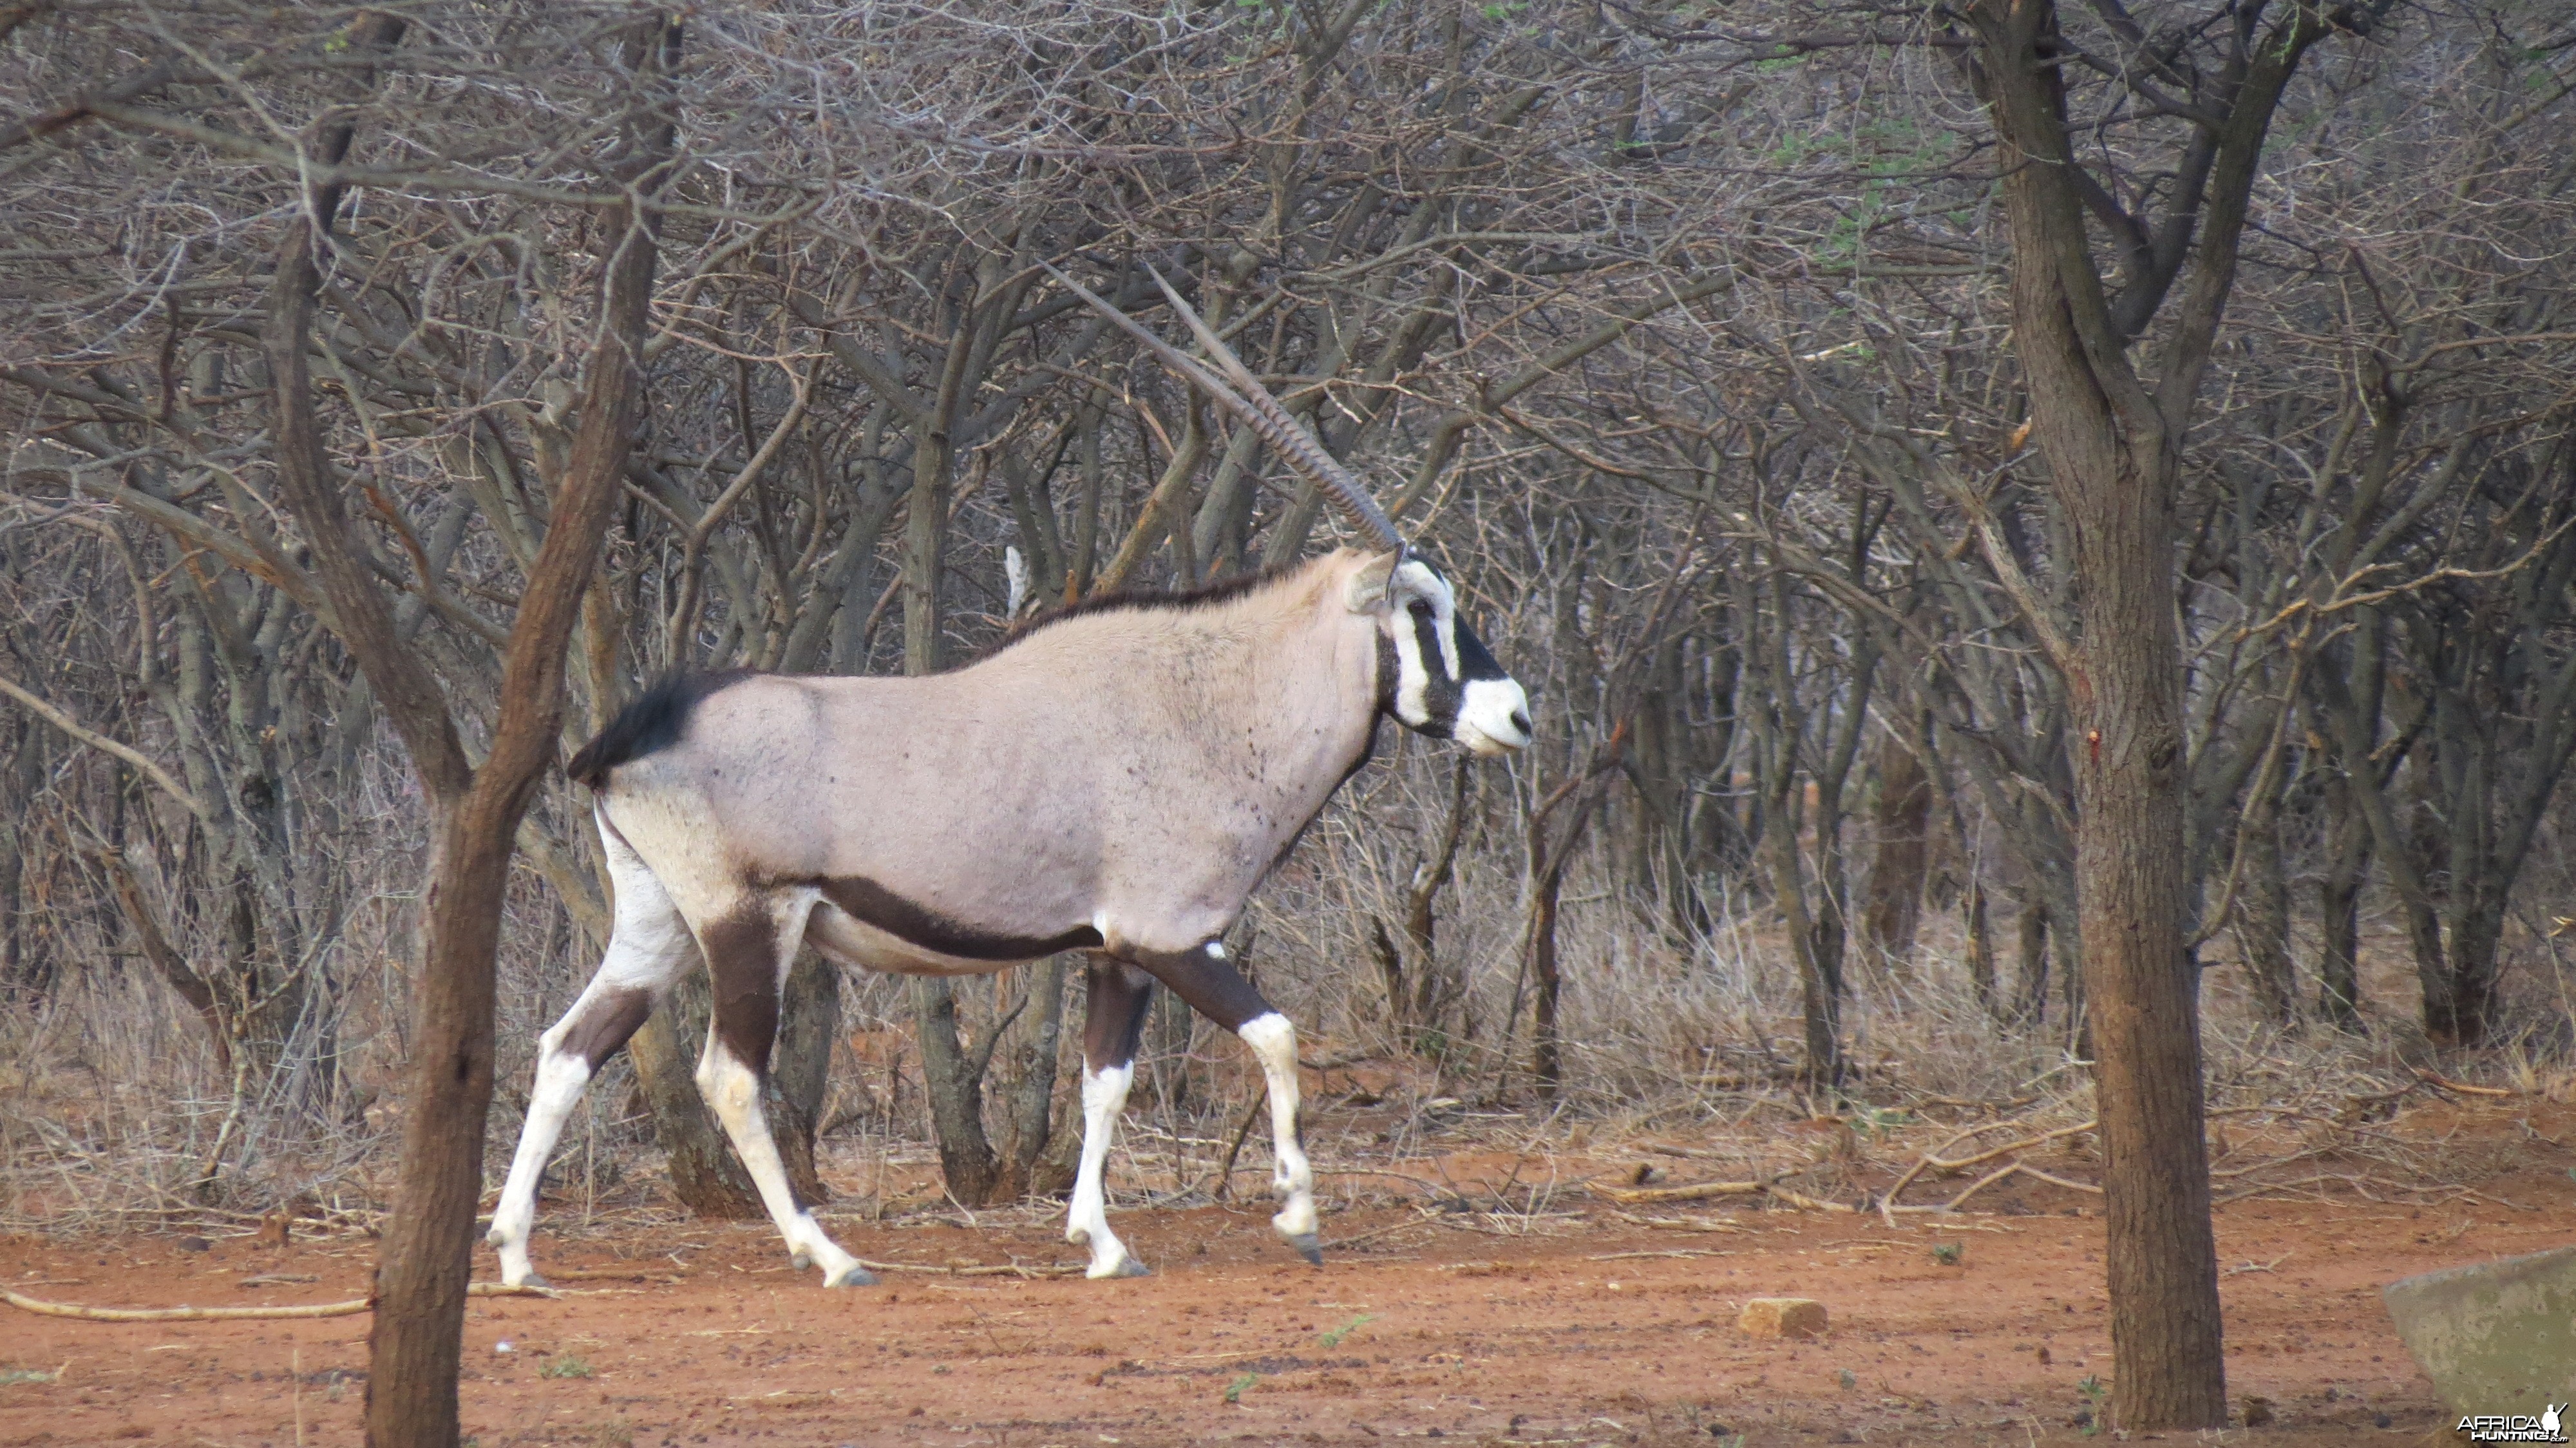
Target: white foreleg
[(1292, 1178)]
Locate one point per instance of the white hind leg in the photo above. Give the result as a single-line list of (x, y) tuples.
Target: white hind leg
[(748, 950), (647, 950)]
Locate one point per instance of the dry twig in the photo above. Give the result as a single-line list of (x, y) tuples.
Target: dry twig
[(350, 1308)]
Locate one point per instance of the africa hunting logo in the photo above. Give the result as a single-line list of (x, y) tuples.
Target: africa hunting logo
[(2515, 1427)]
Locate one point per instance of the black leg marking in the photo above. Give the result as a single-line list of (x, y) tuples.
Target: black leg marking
[(606, 1024), (742, 957), (867, 901), (1114, 1014), (1212, 987)]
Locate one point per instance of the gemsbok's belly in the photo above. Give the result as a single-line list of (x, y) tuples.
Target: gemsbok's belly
[(852, 941)]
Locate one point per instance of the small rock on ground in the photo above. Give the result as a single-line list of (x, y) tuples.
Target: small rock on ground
[(1782, 1317)]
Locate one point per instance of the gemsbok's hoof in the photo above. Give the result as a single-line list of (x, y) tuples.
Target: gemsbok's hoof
[(853, 1275), (1310, 1247), (1127, 1267)]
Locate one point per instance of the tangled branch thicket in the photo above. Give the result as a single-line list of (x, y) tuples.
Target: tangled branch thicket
[(1677, 333)]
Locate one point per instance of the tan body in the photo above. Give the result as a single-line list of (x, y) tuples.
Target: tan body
[(1099, 774), (1118, 780)]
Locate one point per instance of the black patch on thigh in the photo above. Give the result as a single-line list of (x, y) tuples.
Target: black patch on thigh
[(605, 1024), (873, 904), (1214, 988), (742, 958), (1113, 1013)]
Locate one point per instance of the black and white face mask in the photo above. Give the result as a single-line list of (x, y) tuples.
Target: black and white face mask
[(1439, 679)]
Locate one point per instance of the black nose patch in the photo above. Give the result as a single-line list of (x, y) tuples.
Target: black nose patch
[(1475, 663)]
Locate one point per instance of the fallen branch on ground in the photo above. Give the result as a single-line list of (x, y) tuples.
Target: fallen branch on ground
[(1695, 1192), (1678, 1224), (1702, 1191), (350, 1308), (1007, 1269), (2462, 1087)]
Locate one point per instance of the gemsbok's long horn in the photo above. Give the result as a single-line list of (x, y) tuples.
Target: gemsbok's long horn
[(1249, 400)]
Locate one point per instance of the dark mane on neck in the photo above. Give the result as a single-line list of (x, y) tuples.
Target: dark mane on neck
[(1146, 600)]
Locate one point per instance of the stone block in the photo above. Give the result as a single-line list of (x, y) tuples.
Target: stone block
[(1783, 1317), (2495, 1337)]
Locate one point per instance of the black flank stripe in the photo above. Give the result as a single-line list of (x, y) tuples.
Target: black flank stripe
[(867, 901)]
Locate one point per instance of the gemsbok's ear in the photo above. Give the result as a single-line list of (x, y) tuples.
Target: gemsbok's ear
[(1367, 589)]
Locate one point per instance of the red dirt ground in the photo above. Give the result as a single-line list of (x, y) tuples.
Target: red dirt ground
[(1574, 1329)]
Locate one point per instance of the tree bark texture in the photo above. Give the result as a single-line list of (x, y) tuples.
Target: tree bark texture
[(2263, 915), (2112, 446), (1981, 950), (1820, 981), (1547, 1045), (800, 1067), (1418, 995), (416, 1342), (1896, 873), (2030, 978), (949, 1073), (1555, 828), (954, 1077), (2346, 867), (1029, 1115)]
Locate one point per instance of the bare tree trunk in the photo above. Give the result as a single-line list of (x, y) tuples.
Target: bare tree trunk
[(1981, 950), (951, 1075), (1820, 983), (1896, 871), (1547, 1048), (1418, 995), (1715, 836), (1029, 1091), (2144, 1015), (2347, 865), (954, 1077), (2030, 981), (2112, 442), (1658, 849), (800, 1068), (417, 1340), (2263, 919), (1556, 827), (2423, 905)]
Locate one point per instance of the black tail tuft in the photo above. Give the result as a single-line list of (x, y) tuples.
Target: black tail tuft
[(655, 721)]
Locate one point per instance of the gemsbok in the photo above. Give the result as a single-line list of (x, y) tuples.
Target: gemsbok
[(1117, 778)]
